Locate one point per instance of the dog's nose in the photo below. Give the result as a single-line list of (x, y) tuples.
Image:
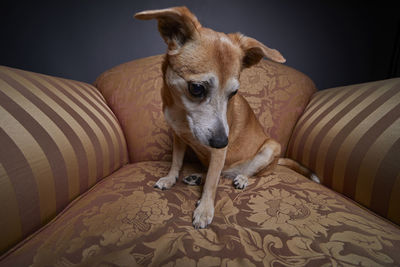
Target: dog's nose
[(219, 141)]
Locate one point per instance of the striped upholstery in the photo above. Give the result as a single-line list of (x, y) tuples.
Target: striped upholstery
[(350, 137), (57, 139)]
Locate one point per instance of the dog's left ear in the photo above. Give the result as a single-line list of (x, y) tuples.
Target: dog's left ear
[(176, 25), (254, 50)]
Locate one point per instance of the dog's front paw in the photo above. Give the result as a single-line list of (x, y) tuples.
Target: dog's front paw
[(165, 182), (203, 214), (193, 179), (240, 181)]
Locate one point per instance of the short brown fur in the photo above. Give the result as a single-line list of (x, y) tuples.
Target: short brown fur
[(212, 61)]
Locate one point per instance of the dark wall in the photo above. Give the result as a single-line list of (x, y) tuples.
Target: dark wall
[(334, 42)]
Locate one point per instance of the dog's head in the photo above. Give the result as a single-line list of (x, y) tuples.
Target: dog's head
[(202, 70)]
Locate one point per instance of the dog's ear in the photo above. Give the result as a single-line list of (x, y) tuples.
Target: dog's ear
[(177, 25), (254, 50)]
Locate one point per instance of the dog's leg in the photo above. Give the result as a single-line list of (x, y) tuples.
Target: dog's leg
[(178, 152), (204, 212), (266, 154)]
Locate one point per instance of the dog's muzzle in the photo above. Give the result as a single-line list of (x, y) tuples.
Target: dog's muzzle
[(218, 142), (219, 139)]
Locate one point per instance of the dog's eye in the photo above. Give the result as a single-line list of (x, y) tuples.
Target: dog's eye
[(232, 94), (197, 90)]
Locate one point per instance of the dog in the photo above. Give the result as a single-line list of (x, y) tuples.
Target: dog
[(202, 106)]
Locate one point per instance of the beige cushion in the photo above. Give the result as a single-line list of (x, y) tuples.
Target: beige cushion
[(281, 218)]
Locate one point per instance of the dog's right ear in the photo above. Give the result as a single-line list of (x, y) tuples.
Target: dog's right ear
[(177, 25), (254, 50)]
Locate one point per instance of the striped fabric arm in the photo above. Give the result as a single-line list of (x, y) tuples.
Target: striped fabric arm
[(350, 137), (57, 138)]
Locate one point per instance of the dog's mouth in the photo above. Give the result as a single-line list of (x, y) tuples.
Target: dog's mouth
[(215, 141), (214, 137)]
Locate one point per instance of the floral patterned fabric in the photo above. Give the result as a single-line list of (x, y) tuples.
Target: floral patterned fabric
[(277, 93), (280, 219)]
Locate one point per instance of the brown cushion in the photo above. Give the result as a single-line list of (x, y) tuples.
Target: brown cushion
[(57, 139), (277, 93), (350, 137), (280, 219)]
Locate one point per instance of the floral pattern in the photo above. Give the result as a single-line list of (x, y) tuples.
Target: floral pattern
[(127, 218), (281, 210), (281, 219)]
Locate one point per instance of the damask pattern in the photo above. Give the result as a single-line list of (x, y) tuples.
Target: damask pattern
[(281, 219)]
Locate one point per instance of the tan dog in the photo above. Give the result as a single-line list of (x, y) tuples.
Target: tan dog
[(200, 103)]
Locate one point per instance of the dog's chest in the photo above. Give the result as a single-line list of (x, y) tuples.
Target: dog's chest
[(178, 122)]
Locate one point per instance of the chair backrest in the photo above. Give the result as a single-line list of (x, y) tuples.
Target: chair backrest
[(277, 93)]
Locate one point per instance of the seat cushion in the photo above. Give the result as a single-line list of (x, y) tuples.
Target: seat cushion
[(282, 218), (58, 138), (277, 93)]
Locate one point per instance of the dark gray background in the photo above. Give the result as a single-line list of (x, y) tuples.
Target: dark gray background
[(334, 42)]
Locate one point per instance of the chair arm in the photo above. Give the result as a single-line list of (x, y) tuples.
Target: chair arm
[(349, 136), (57, 139)]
